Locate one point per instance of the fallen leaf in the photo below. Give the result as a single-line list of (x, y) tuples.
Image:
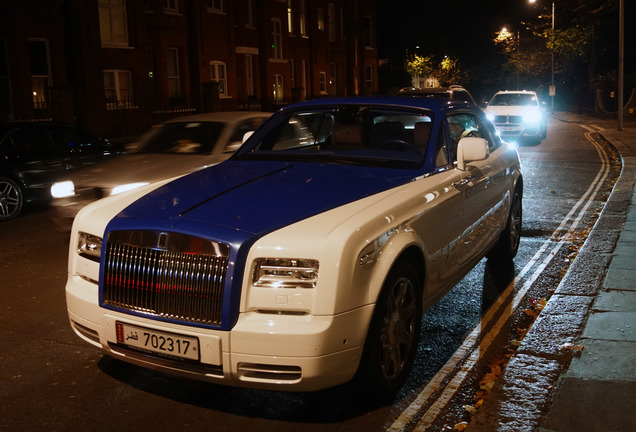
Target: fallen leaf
[(471, 409), (461, 426)]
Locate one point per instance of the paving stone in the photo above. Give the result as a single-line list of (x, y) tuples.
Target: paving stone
[(622, 260), (617, 326), (590, 405), (620, 279), (605, 360), (615, 301)]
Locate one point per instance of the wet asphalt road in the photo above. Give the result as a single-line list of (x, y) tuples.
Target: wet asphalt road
[(51, 381)]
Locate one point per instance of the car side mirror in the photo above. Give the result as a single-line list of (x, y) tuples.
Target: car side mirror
[(471, 149), (234, 145)]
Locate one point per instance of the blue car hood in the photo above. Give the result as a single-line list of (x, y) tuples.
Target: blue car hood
[(257, 197)]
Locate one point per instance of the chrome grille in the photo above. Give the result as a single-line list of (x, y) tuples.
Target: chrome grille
[(167, 275)]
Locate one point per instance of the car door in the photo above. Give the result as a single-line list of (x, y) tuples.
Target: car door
[(483, 188), (441, 225), (35, 158)]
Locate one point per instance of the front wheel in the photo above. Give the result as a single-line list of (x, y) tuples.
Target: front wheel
[(11, 199), (393, 335)]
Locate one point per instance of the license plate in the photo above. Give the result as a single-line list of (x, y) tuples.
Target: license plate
[(509, 129), (159, 342)]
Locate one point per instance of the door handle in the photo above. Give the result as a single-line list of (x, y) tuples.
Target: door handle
[(463, 182)]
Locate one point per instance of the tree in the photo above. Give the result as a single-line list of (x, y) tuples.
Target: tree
[(583, 51), (448, 71)]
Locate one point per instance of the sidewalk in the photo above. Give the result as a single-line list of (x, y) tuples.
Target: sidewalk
[(576, 368)]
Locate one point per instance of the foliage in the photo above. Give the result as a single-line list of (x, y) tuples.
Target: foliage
[(576, 37), (447, 71), (420, 66)]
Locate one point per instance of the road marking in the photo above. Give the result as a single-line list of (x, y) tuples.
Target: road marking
[(465, 358)]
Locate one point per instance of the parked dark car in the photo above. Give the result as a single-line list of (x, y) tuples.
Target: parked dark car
[(452, 92), (35, 154)]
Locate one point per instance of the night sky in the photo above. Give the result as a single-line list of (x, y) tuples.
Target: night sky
[(458, 28)]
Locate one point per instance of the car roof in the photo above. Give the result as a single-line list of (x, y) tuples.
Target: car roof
[(222, 116), (9, 126), (433, 104), (516, 92)]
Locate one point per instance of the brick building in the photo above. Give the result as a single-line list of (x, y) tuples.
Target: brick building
[(117, 66)]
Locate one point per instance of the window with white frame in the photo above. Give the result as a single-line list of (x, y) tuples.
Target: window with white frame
[(39, 68), (278, 88), (302, 18), (113, 29), (277, 39), (249, 74), (214, 5), (333, 89), (320, 19), (248, 13), (218, 73), (368, 77), (290, 17), (172, 72), (118, 89), (171, 6), (331, 21), (323, 83)]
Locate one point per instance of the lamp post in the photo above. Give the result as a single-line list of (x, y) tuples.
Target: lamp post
[(552, 87), (621, 60)]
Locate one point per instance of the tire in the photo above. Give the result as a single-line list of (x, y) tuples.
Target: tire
[(509, 240), (393, 336), (11, 199)]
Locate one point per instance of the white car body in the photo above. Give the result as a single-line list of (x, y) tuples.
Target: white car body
[(309, 337), (518, 115)]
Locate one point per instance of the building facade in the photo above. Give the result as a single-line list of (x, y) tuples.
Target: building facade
[(117, 66)]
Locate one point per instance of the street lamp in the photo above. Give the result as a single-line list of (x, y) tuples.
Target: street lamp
[(552, 88)]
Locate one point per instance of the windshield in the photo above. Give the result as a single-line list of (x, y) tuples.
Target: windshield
[(514, 99), (348, 134), (179, 138)]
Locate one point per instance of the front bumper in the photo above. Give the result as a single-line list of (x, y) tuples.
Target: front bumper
[(506, 131), (263, 351)]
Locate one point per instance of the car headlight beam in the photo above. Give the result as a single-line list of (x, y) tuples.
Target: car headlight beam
[(63, 189)]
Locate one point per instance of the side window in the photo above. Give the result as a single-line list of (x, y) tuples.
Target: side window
[(467, 125), (65, 136), (442, 156), (32, 138)]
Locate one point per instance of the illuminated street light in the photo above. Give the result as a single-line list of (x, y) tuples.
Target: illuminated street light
[(552, 87), (621, 59)]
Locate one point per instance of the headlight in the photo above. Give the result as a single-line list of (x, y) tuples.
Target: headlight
[(63, 189), (127, 187), (532, 117), (490, 116), (89, 246), (285, 273)]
